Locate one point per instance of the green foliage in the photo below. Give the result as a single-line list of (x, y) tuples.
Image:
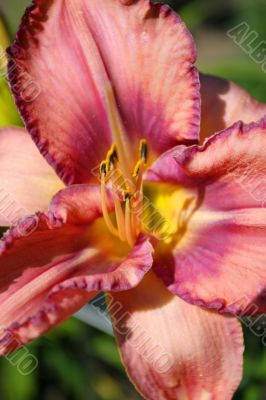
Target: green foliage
[(8, 112), (76, 362)]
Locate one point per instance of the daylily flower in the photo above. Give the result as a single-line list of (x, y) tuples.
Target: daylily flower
[(140, 210)]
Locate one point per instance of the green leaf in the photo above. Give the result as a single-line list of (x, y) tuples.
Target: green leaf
[(16, 385), (8, 111)]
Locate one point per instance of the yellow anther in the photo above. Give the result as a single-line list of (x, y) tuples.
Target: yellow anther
[(112, 157), (126, 195), (126, 187), (103, 168), (143, 150)]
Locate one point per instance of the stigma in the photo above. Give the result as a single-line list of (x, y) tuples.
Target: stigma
[(127, 192)]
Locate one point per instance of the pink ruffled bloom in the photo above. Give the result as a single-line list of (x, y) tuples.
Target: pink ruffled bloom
[(174, 229)]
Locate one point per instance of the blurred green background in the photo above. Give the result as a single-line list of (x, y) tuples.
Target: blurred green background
[(75, 360)]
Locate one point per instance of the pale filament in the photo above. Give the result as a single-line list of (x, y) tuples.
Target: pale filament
[(137, 212), (134, 219), (119, 210), (106, 215), (130, 235), (136, 199)]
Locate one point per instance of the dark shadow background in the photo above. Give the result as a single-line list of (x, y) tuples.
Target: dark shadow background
[(77, 362)]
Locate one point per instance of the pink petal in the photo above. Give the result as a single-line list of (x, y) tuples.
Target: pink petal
[(63, 57), (52, 264), (27, 182), (173, 350), (224, 103), (220, 258)]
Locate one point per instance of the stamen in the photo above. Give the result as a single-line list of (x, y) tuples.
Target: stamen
[(130, 235), (137, 169), (138, 173), (140, 176), (129, 221), (118, 208), (112, 158), (126, 196), (137, 212), (118, 135), (143, 149), (103, 169), (134, 222), (106, 216), (120, 218)]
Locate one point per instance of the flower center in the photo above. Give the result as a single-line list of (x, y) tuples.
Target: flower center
[(160, 210), (125, 185), (127, 194)]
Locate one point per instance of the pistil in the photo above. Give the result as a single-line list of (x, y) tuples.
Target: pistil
[(119, 136)]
